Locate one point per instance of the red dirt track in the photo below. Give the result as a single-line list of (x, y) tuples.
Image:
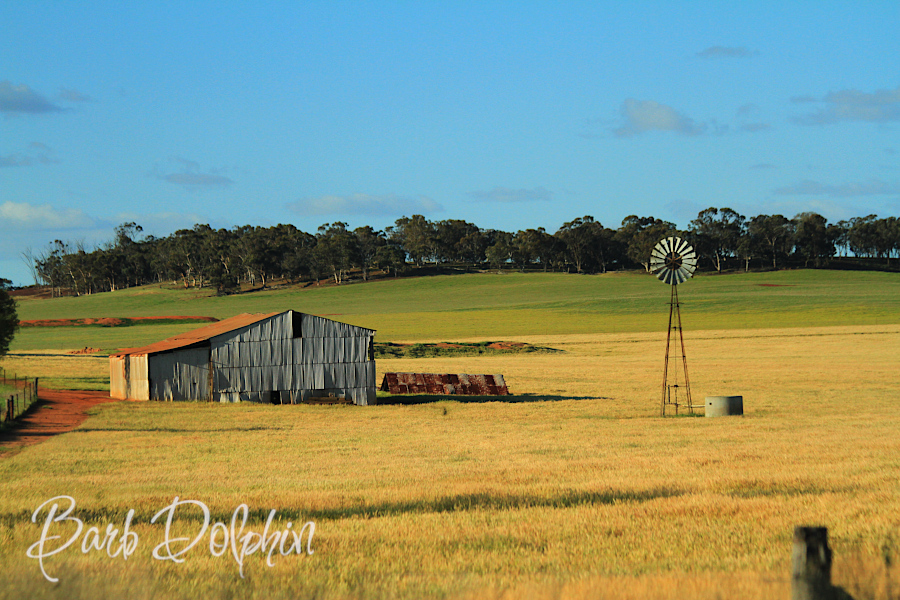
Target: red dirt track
[(57, 411)]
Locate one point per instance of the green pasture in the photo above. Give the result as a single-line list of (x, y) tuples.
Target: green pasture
[(494, 306)]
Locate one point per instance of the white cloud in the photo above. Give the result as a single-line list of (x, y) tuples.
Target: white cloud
[(647, 115), (22, 99), (874, 187), (365, 204), (502, 194), (21, 215), (881, 106), (726, 52)]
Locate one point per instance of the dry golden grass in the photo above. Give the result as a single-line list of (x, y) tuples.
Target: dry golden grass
[(583, 493), (57, 369)]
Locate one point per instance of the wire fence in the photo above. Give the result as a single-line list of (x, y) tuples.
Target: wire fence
[(18, 392)]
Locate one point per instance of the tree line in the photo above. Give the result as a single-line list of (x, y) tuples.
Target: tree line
[(225, 258)]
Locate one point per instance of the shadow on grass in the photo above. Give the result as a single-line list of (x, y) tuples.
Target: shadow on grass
[(9, 430), (446, 504), (211, 429), (409, 399)]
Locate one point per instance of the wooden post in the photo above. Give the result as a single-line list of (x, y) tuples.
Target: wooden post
[(811, 559)]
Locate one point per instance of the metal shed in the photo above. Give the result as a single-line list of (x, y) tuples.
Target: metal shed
[(286, 358)]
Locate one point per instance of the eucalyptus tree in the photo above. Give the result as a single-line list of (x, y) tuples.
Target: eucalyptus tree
[(449, 236), (9, 318), (416, 235), (772, 234), (368, 241), (588, 244), (811, 240), (716, 234), (336, 248), (639, 235), (501, 251), (539, 245)]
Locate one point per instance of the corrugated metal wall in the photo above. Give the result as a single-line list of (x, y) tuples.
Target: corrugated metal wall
[(180, 375), (329, 358), (118, 380), (138, 382)]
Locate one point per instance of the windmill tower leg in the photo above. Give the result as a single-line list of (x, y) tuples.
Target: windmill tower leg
[(670, 389), (687, 381), (665, 382)]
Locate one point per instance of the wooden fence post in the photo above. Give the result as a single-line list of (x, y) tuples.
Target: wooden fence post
[(811, 565)]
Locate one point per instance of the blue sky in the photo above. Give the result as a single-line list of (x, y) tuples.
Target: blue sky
[(506, 114)]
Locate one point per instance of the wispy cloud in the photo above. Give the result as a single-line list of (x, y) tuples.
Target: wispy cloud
[(21, 215), (365, 204), (38, 154), (22, 99), (74, 96), (197, 179), (881, 106), (190, 176), (874, 187), (646, 115), (755, 127), (726, 52), (502, 194), (15, 160)]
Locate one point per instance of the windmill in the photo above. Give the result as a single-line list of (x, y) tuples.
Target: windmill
[(673, 261)]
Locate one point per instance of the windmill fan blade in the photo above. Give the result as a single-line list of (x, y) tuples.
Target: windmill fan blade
[(673, 260)]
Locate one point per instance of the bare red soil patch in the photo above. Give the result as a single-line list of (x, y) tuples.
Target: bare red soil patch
[(113, 321), (506, 345), (57, 411)]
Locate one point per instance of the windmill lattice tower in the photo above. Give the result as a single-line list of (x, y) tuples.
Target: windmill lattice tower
[(673, 261)]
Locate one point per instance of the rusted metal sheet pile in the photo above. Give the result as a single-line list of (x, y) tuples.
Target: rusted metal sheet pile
[(444, 383)]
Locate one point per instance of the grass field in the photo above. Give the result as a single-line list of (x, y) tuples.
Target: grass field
[(574, 489), (491, 306)]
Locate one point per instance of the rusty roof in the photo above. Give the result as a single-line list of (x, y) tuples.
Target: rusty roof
[(198, 335)]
